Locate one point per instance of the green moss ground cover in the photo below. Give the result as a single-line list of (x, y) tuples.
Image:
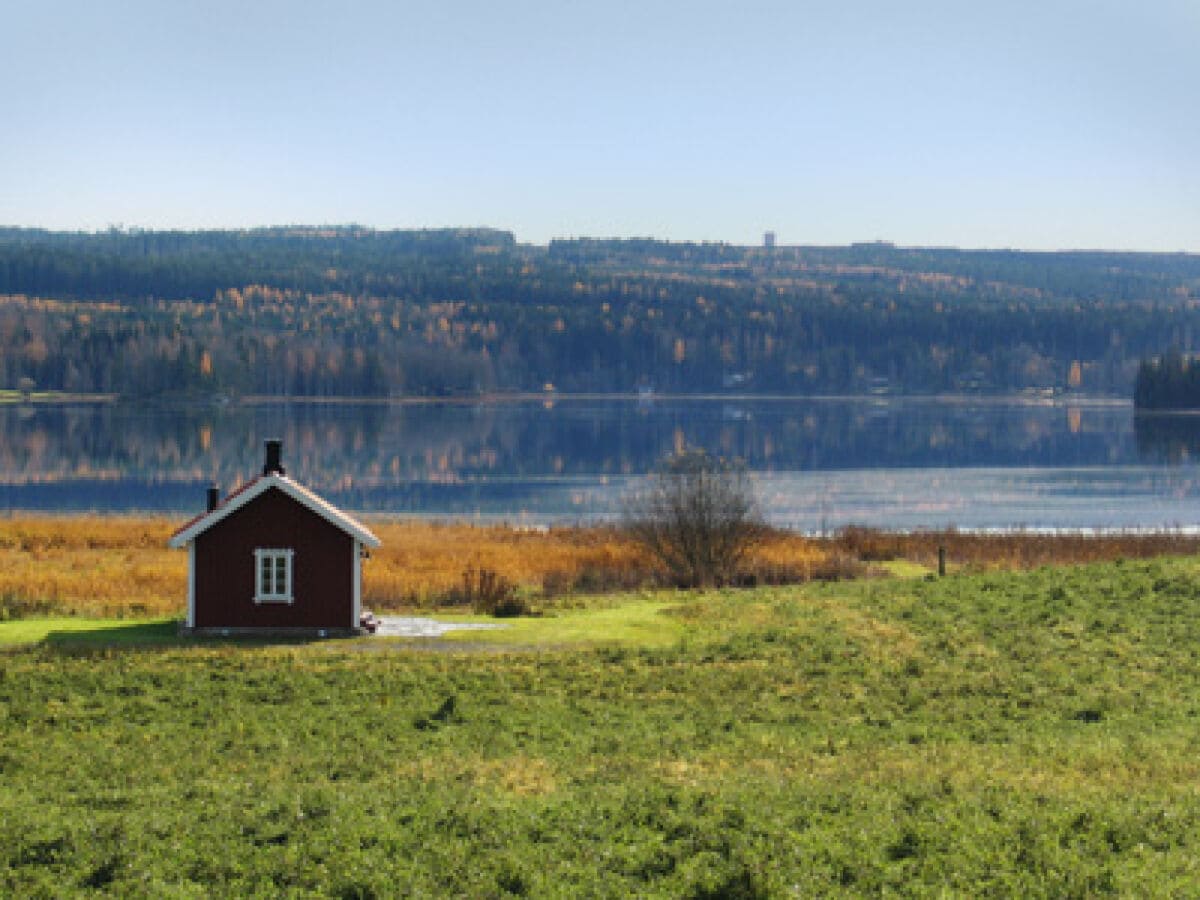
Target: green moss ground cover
[(1003, 735)]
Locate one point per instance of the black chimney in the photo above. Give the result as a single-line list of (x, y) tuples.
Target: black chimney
[(274, 446), (214, 497)]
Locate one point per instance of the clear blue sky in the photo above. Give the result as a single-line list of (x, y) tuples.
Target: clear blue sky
[(978, 123)]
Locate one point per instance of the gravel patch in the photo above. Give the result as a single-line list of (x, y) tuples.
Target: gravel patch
[(422, 627)]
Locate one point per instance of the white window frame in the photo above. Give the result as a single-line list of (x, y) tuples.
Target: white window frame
[(274, 554)]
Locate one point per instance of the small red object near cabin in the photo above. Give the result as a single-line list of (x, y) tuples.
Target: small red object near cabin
[(274, 557)]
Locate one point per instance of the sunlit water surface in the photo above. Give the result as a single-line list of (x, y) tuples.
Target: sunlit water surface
[(818, 464)]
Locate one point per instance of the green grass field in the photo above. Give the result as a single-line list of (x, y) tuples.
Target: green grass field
[(75, 631), (1001, 735)]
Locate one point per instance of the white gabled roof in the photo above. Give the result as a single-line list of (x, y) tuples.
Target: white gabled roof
[(257, 487)]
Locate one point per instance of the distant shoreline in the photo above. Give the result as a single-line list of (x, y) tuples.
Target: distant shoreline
[(59, 398), (52, 398)]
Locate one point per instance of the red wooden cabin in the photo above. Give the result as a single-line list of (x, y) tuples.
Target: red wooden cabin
[(273, 557)]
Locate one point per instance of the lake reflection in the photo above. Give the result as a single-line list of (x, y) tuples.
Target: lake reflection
[(819, 463)]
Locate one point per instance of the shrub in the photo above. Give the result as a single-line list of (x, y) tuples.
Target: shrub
[(698, 515), (489, 593)]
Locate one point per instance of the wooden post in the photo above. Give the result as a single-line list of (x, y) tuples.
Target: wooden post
[(941, 561)]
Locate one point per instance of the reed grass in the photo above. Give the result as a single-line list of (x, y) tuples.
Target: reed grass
[(90, 566), (120, 566), (1009, 551)]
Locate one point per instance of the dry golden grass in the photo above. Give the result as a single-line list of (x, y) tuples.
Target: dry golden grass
[(1009, 551), (423, 562), (114, 566), (120, 565), (90, 565)]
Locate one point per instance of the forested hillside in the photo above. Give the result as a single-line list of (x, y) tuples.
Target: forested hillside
[(1170, 381), (352, 311)]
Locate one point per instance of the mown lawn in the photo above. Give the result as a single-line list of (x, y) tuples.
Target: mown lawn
[(1003, 734), (74, 631)]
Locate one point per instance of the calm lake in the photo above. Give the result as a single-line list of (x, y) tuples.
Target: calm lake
[(819, 464)]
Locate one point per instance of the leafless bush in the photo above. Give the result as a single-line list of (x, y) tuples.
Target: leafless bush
[(490, 593), (698, 516)]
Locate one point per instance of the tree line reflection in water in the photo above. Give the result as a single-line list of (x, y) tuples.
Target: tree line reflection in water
[(459, 458)]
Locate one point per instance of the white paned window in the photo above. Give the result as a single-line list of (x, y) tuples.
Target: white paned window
[(273, 576)]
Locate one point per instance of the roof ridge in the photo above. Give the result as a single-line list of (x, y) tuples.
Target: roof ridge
[(196, 518), (305, 495)]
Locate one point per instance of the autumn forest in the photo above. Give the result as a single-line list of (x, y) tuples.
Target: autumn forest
[(350, 311)]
